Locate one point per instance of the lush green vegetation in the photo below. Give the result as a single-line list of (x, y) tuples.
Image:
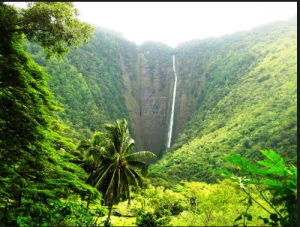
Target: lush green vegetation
[(108, 79), (275, 176), (88, 82), (240, 93), (114, 166), (67, 161), (267, 195), (35, 156)]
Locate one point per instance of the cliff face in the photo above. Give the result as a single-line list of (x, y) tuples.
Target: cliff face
[(156, 79), (148, 85)]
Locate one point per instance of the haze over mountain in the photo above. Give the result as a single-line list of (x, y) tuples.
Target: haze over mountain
[(173, 23)]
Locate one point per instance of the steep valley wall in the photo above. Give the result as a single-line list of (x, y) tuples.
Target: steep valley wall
[(147, 90), (119, 79)]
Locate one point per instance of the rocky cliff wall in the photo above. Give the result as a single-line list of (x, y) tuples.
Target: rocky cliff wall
[(148, 83)]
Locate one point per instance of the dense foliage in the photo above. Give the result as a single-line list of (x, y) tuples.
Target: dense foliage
[(236, 95), (254, 196), (273, 175), (35, 157), (116, 168), (88, 82), (51, 24)]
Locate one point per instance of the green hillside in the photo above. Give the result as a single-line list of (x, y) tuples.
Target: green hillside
[(236, 94), (88, 82)]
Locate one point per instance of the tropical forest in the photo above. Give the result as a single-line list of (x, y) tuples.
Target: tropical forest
[(96, 130)]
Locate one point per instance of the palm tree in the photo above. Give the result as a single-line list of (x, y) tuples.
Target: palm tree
[(115, 168)]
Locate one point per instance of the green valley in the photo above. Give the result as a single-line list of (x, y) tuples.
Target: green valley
[(85, 115)]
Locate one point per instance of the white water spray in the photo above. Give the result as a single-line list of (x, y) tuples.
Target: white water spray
[(173, 106)]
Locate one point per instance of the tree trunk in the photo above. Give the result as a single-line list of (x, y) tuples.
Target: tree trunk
[(111, 206)]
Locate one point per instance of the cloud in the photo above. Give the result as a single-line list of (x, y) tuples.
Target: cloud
[(176, 22)]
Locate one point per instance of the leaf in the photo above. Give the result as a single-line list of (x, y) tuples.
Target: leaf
[(248, 216), (272, 156), (242, 200), (250, 201), (266, 220), (139, 165), (277, 171), (238, 218), (274, 217), (224, 173), (140, 155), (274, 183)]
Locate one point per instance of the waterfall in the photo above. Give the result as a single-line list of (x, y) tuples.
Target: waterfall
[(173, 106)]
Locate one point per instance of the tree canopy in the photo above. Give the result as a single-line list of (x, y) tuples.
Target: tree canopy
[(51, 24), (35, 155), (116, 168)]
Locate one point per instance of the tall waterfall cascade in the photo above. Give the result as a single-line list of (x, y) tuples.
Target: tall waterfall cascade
[(173, 106)]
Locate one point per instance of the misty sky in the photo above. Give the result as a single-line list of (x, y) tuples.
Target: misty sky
[(176, 22)]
